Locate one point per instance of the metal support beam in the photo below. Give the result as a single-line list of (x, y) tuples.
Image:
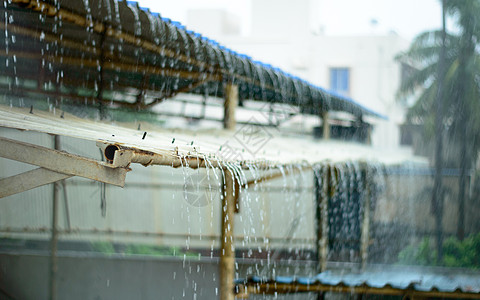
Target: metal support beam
[(62, 162), (116, 33), (230, 105), (116, 65), (326, 125), (227, 250), (29, 180)]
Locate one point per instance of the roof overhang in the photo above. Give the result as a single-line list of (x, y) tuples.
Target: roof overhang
[(117, 53)]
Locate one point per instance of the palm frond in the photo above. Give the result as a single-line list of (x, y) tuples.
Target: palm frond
[(421, 78), (424, 105), (425, 49)]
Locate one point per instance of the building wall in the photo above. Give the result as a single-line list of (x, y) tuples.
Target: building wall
[(374, 76), (220, 22), (100, 277), (25, 276), (276, 18)]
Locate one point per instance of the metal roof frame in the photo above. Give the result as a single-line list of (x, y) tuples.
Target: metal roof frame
[(54, 166), (386, 280), (109, 45)]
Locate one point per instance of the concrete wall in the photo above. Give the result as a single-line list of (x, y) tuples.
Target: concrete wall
[(26, 277), (280, 18), (220, 22)]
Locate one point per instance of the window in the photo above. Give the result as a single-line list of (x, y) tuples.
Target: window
[(340, 80)]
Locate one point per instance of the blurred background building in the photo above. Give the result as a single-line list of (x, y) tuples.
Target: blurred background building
[(362, 67)]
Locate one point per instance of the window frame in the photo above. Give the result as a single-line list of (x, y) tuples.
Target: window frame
[(338, 69)]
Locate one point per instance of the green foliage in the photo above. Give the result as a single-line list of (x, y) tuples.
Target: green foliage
[(464, 254), (103, 247), (447, 103), (128, 115), (418, 255), (155, 250), (108, 248), (460, 86)]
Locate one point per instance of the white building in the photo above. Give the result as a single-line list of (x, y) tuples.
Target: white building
[(282, 34)]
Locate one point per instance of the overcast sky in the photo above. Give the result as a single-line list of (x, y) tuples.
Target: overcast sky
[(406, 17), (336, 17)]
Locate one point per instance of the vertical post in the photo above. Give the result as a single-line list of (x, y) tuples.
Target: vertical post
[(237, 197), (326, 125), (364, 130), (54, 236), (204, 107), (365, 240), (227, 251), (65, 202), (230, 105), (324, 220), (318, 216), (321, 217), (369, 135)]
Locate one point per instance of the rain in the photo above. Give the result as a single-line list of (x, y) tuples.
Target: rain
[(225, 157)]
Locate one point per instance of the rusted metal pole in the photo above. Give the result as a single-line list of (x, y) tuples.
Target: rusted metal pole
[(227, 250), (230, 105), (54, 236)]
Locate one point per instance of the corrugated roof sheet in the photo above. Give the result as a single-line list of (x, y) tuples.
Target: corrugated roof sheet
[(417, 279), (96, 48), (248, 144)]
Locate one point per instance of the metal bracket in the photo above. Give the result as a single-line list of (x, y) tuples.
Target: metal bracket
[(54, 165)]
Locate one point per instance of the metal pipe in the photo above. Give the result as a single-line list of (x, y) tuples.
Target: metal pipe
[(118, 154), (109, 152), (175, 160)]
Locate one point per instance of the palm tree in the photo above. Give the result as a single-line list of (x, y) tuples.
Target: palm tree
[(467, 95), (460, 96)]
